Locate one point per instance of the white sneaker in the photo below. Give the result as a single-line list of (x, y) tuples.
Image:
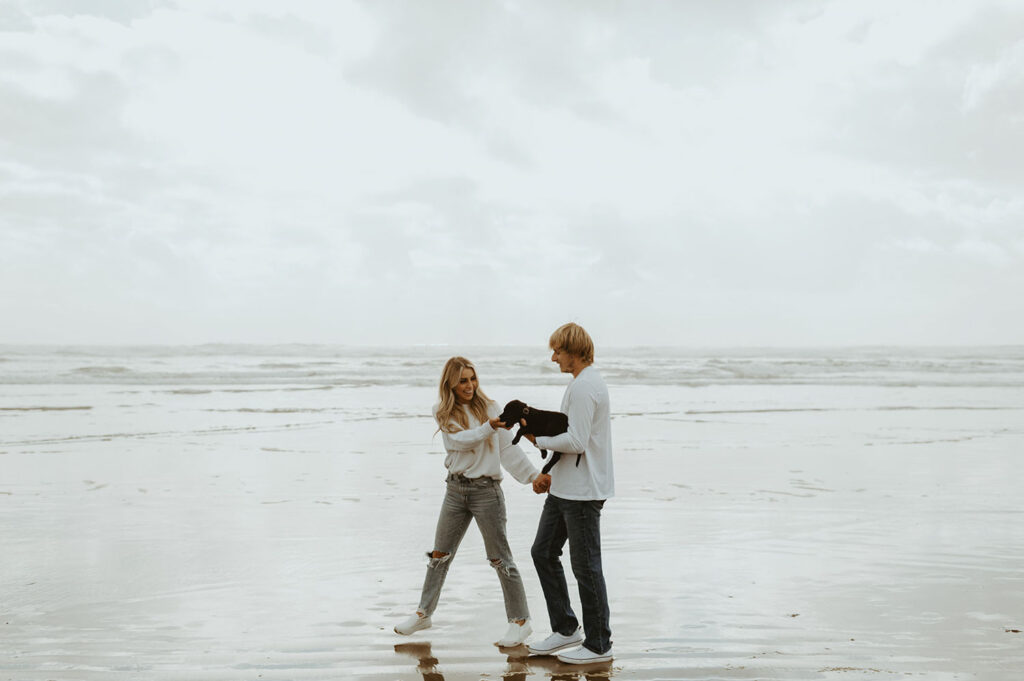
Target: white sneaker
[(583, 655), (556, 642), (515, 634), (413, 624)]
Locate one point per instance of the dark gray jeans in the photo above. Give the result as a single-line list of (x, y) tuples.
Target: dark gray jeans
[(480, 499), (579, 522)]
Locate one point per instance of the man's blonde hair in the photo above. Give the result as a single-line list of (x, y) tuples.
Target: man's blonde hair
[(575, 340)]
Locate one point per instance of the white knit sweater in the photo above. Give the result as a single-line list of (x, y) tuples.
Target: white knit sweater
[(481, 451), (590, 433)]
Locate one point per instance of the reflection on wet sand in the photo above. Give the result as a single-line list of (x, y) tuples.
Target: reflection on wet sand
[(426, 662), (600, 671), (520, 666)]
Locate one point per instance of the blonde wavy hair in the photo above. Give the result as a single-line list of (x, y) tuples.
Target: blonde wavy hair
[(448, 407)]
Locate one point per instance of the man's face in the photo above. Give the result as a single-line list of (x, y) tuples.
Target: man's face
[(566, 362)]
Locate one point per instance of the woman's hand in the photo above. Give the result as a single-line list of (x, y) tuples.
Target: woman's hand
[(542, 483), (495, 424)]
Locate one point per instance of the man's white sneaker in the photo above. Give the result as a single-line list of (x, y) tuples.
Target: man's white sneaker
[(515, 634), (555, 642), (414, 623), (583, 655)]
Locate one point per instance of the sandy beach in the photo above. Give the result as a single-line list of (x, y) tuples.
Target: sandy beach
[(237, 529)]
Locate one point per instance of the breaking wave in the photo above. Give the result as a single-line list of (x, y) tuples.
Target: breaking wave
[(313, 366)]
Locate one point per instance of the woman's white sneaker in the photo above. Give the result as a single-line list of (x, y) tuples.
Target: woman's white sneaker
[(583, 655), (413, 624), (515, 634), (555, 642)]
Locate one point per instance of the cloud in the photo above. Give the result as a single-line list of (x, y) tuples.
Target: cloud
[(948, 113), (717, 172)]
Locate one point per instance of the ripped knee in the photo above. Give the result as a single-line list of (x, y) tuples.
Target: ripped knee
[(500, 565), (437, 558)]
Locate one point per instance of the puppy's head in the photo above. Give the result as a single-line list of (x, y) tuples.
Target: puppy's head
[(513, 411)]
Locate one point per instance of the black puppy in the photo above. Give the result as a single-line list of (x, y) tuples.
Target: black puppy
[(538, 422)]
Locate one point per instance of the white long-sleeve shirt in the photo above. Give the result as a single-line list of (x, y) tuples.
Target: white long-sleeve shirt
[(482, 451), (590, 433)]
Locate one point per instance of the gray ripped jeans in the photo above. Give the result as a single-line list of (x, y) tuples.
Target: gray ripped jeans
[(466, 499)]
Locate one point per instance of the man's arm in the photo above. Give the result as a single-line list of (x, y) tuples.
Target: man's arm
[(581, 418)]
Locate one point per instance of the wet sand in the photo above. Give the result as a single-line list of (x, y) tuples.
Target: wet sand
[(794, 532)]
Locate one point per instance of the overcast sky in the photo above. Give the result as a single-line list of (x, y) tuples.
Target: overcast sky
[(472, 172)]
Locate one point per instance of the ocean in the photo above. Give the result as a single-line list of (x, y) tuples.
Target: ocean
[(341, 366)]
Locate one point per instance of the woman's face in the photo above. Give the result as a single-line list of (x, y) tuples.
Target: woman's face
[(466, 387)]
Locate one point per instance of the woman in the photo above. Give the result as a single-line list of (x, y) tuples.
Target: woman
[(478, 446)]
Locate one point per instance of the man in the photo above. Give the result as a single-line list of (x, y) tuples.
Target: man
[(578, 486)]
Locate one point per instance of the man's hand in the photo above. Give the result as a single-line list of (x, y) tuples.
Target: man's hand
[(542, 483), (529, 436)]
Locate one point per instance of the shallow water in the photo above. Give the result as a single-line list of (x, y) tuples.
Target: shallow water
[(244, 530)]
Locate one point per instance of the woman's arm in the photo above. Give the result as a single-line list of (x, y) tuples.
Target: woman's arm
[(467, 439), (514, 460)]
